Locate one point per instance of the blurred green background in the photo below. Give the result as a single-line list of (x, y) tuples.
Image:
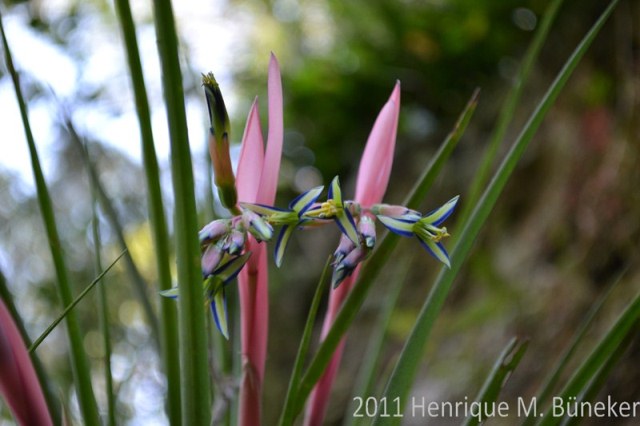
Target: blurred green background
[(564, 231)]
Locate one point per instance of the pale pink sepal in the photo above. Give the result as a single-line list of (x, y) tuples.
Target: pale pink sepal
[(251, 159), (254, 279), (275, 136), (19, 384), (373, 178), (377, 159), (254, 319)]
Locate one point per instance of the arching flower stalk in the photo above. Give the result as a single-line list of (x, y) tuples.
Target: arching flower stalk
[(227, 243)]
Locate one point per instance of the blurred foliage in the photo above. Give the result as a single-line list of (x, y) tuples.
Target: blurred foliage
[(565, 229)]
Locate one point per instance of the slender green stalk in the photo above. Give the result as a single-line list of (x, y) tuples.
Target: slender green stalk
[(69, 309), (196, 392), (374, 265), (554, 375), (368, 368), (156, 212), (600, 379), (508, 110), (501, 371), (626, 325), (401, 379), (47, 386), (79, 362), (102, 307), (138, 281), (288, 416)]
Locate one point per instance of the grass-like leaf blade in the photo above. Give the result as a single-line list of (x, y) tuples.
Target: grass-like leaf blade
[(194, 363), (79, 362), (288, 415), (502, 369), (599, 357), (402, 378), (72, 305)]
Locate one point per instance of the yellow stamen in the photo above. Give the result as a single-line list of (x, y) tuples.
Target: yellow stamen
[(327, 209)]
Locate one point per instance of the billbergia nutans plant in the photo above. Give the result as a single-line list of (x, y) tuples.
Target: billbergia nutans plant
[(315, 267)]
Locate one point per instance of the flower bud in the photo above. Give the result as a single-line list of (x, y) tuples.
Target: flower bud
[(211, 258), (256, 225), (212, 231), (219, 142), (367, 229), (235, 242), (344, 248), (348, 265)]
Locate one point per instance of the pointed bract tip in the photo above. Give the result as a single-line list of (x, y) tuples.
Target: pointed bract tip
[(395, 94)]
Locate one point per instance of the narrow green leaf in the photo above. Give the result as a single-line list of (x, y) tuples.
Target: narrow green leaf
[(405, 371), (368, 371), (502, 369), (508, 110), (102, 303), (79, 363), (68, 309), (195, 386), (168, 317), (625, 325), (288, 416), (554, 375), (374, 265), (138, 281), (600, 379)]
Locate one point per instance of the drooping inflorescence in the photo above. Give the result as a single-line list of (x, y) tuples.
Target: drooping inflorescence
[(223, 241)]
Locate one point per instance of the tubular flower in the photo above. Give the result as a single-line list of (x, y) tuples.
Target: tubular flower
[(290, 218), (427, 229), (348, 256), (334, 208), (214, 288), (227, 237)]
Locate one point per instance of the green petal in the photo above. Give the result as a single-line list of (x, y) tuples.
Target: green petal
[(347, 225), (439, 215), (262, 209), (335, 193), (304, 201), (229, 269), (219, 310), (398, 226), (172, 293), (437, 250), (281, 244)]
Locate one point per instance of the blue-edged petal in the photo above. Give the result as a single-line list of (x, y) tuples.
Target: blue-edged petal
[(402, 227), (258, 227), (436, 250), (262, 209), (171, 293), (335, 193), (438, 216), (304, 201), (281, 244), (230, 268), (347, 225), (219, 310)]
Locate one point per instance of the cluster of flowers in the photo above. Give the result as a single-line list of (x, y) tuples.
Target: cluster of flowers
[(222, 240)]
